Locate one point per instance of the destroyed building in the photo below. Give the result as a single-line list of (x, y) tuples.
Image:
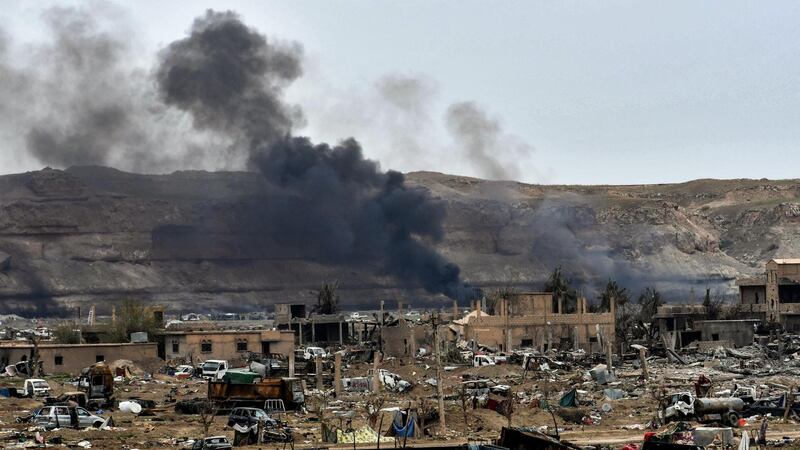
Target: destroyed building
[(537, 319), (775, 296), (312, 328)]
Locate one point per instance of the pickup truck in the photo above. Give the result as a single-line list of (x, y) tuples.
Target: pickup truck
[(214, 369)]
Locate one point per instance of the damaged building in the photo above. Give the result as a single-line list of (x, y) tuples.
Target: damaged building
[(774, 296), (72, 358), (201, 344), (537, 319)]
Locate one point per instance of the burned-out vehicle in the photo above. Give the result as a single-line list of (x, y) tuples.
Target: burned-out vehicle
[(97, 382), (685, 406)]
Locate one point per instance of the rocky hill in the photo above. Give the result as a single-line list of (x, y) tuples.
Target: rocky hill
[(96, 235)]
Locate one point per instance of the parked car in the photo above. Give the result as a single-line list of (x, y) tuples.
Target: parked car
[(212, 443), (214, 369), (59, 416), (247, 416)]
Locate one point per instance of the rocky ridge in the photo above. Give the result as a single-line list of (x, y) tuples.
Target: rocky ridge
[(188, 239)]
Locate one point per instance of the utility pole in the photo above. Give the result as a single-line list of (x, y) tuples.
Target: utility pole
[(437, 351)]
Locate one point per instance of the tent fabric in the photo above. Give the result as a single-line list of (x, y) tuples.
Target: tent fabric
[(570, 399), (406, 431)]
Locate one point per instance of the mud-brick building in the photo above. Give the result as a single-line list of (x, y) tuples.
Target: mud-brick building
[(71, 358), (232, 345), (774, 296), (535, 319)]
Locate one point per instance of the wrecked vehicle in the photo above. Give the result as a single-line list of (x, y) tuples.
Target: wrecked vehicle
[(685, 406), (482, 360), (391, 381), (476, 388), (212, 443), (36, 387), (247, 416), (775, 406), (64, 416), (98, 383), (184, 371), (76, 397)]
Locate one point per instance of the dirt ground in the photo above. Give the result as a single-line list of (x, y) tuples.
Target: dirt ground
[(619, 422)]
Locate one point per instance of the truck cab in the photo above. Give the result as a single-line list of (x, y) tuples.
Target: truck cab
[(214, 369), (36, 387)]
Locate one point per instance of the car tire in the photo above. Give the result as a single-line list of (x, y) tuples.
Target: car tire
[(98, 424)]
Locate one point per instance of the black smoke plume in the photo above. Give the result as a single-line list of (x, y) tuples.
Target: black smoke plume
[(331, 202)]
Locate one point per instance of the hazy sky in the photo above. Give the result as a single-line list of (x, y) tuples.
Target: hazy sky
[(585, 92)]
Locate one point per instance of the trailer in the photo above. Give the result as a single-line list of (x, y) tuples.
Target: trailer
[(227, 396)]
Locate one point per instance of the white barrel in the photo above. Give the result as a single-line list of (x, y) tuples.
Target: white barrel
[(130, 407)]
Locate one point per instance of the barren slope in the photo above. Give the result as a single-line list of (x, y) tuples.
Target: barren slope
[(187, 239)]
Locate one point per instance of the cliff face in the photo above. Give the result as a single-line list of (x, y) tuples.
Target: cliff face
[(191, 240)]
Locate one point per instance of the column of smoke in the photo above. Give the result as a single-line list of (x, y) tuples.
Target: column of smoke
[(333, 202), (329, 202)]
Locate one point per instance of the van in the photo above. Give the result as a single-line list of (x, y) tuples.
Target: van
[(214, 369)]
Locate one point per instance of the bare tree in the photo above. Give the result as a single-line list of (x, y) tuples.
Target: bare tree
[(712, 305), (494, 298), (373, 405), (328, 298), (133, 317), (506, 407), (208, 410)]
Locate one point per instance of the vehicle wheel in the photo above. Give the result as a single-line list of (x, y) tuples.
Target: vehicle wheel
[(97, 424), (733, 419)]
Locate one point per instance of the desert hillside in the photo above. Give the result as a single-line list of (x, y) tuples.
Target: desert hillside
[(190, 239)]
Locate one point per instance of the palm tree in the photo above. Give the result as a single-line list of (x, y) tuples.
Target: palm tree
[(613, 292), (562, 290)]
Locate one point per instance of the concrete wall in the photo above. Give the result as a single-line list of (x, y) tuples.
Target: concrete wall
[(577, 330), (401, 340), (739, 332), (529, 304), (73, 358), (226, 344), (753, 294)]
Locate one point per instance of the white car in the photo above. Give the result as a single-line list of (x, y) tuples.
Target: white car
[(312, 352), (482, 360)]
